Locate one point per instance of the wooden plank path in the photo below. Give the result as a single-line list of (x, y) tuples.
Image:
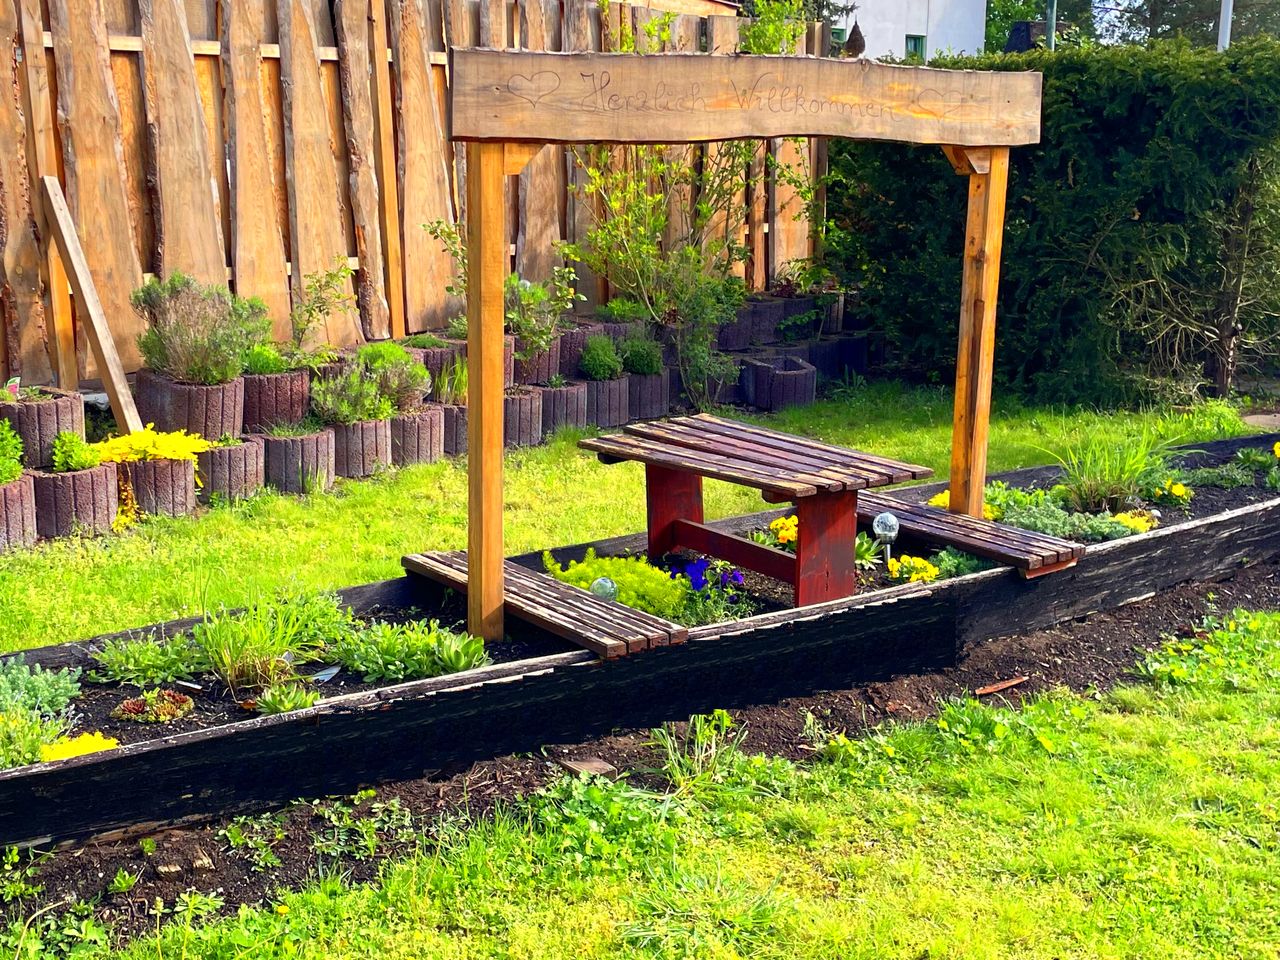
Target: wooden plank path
[(605, 627), (1033, 554)]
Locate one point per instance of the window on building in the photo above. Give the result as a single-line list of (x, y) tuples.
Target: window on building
[(915, 46)]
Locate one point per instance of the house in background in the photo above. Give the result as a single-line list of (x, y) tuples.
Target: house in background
[(917, 28)]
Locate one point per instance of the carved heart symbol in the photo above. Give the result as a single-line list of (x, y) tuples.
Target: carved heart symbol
[(533, 88)]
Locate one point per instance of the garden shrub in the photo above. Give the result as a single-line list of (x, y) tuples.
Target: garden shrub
[(350, 397), (533, 309), (641, 355), (423, 341), (1156, 171), (401, 379), (150, 444), (10, 453), (600, 360), (196, 333), (623, 310), (1227, 476), (640, 584), (265, 358), (951, 562)]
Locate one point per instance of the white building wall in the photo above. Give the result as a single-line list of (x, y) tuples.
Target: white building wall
[(955, 26)]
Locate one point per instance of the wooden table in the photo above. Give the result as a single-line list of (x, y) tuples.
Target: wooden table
[(823, 481)]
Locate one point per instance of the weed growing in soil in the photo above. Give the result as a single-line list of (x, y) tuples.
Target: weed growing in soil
[(20, 871), (256, 838), (356, 829), (123, 881)]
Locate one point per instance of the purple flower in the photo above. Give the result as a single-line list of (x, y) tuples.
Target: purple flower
[(732, 577), (696, 571)]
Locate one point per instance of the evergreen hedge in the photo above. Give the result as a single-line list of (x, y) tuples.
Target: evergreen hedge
[(1117, 221)]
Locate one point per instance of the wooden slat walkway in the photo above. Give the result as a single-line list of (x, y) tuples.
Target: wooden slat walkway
[(605, 627), (1032, 553)]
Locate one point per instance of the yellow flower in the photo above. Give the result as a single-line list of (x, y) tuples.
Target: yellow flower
[(785, 528), (1276, 449), (149, 444), (1139, 521), (943, 500), (282, 909), (66, 747), (1178, 490), (908, 569)]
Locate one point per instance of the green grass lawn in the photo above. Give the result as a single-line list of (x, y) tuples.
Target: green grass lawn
[(1137, 824), (555, 495)]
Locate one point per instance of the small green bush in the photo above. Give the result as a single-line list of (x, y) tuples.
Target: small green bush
[(400, 378), (1227, 476), (600, 360), (623, 310), (407, 651), (71, 453), (350, 397), (285, 698), (1103, 474), (640, 584), (10, 453), (149, 662), (265, 358), (197, 333), (47, 692), (641, 355), (956, 563)]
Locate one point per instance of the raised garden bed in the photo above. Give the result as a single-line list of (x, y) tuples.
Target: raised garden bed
[(361, 449), (564, 406), (39, 416), (210, 411), (536, 367), (418, 437), (649, 395), (275, 398), (522, 417), (302, 464), (232, 471), (608, 402), (80, 502), (775, 383), (370, 735), (17, 513), (164, 488)]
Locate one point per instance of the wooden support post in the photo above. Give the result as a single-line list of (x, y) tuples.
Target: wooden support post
[(983, 236), (828, 527), (385, 159), (672, 495), (95, 318), (487, 260)]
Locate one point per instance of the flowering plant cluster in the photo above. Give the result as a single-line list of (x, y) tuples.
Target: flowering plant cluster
[(943, 500), (1138, 521), (1172, 493), (149, 444), (1276, 449), (154, 706), (716, 591), (909, 569)]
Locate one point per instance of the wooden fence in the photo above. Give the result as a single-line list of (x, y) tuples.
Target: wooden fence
[(254, 142)]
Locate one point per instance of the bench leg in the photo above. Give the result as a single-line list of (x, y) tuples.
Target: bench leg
[(672, 495), (824, 547)]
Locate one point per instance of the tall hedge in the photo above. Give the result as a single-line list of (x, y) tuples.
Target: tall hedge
[(1116, 220)]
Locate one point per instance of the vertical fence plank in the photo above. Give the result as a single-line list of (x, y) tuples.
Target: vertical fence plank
[(788, 226), (423, 173), (579, 210), (819, 149), (187, 231), (316, 236), (459, 32), (685, 32), (384, 159), (258, 260), (42, 142), (22, 318), (352, 22), (729, 225), (93, 156), (542, 182)]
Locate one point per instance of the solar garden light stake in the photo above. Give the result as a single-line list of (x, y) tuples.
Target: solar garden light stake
[(885, 527)]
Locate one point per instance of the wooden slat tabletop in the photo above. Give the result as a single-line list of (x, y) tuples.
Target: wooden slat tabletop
[(775, 463)]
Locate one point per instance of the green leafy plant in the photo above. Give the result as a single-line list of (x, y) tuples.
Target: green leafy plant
[(600, 360), (350, 397), (1226, 476), (698, 760), (451, 385), (71, 453), (624, 310), (359, 828), (868, 552), (641, 355), (407, 651), (400, 378), (265, 358), (1102, 474), (148, 662), (19, 874), (285, 698), (256, 838), (303, 428), (196, 333), (155, 706), (1272, 479), (10, 453), (533, 310), (123, 881), (46, 692), (23, 733), (640, 584), (262, 645), (557, 380), (951, 562), (1255, 458), (454, 241), (1221, 652)]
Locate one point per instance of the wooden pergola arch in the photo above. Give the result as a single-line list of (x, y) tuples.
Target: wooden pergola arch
[(507, 105)]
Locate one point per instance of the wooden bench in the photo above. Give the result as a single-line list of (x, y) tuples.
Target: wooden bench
[(1032, 554), (605, 627), (822, 480)]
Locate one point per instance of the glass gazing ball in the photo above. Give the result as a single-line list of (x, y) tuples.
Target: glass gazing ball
[(604, 588), (885, 527)]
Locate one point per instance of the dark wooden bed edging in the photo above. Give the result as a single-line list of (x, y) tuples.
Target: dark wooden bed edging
[(446, 723)]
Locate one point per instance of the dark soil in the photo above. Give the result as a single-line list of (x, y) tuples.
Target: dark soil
[(1090, 654)]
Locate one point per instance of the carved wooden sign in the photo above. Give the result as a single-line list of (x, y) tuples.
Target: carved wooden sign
[(689, 98)]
